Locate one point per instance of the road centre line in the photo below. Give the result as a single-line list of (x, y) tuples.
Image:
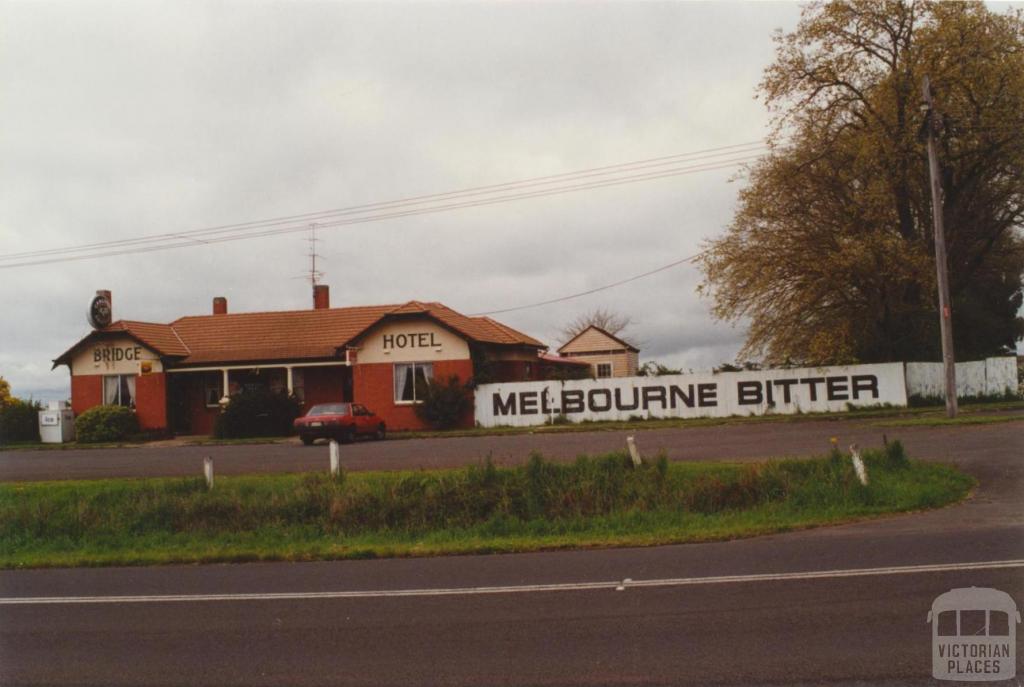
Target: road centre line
[(516, 589)]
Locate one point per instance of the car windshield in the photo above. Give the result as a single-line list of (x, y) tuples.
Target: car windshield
[(328, 409)]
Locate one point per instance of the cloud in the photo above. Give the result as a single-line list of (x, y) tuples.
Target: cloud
[(124, 119)]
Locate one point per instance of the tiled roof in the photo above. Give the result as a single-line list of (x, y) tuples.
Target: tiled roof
[(482, 329), (294, 334), (504, 331), (160, 337), (283, 335)]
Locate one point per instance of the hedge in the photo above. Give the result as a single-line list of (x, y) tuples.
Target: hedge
[(106, 423)]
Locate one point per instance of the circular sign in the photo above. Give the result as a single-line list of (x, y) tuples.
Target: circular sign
[(99, 312)]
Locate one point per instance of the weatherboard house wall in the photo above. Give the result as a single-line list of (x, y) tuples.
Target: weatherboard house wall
[(175, 375), (598, 347)]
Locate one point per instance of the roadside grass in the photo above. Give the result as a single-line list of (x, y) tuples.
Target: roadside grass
[(594, 502), (939, 421)]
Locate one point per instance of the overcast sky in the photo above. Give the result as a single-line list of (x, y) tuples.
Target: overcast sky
[(126, 119)]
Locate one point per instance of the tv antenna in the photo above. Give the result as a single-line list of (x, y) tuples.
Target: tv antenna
[(315, 275)]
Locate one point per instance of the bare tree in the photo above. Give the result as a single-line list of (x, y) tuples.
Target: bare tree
[(610, 321)]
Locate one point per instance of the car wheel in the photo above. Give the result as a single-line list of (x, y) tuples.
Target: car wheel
[(306, 440), (380, 433)]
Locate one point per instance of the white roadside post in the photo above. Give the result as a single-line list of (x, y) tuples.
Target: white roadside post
[(633, 452), (335, 458), (858, 465), (208, 471)]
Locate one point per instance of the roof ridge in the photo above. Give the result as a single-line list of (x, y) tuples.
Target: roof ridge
[(285, 312), (602, 331), (178, 337)]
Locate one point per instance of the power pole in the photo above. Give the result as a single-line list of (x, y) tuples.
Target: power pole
[(946, 314)]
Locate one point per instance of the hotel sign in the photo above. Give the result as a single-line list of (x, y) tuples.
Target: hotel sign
[(410, 340), (702, 395), (117, 356)]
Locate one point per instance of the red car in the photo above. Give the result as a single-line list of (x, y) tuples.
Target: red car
[(341, 421)]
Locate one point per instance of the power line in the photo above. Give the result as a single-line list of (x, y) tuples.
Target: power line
[(191, 235), (185, 240), (594, 290)]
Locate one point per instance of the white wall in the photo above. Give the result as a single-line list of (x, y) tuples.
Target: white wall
[(419, 340), (700, 395), (975, 378), (122, 355)]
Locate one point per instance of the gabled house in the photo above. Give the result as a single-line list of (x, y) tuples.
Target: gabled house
[(608, 355)]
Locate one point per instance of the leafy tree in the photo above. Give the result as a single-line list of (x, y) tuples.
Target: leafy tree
[(5, 393), (612, 322), (19, 420), (652, 368), (830, 256)]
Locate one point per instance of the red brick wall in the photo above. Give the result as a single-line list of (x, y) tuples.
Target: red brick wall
[(151, 401), (150, 397), (86, 392), (373, 386), (323, 385)]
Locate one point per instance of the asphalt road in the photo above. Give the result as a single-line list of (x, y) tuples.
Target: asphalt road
[(358, 622), (735, 441)]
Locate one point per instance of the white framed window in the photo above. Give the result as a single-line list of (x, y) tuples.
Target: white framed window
[(604, 370), (410, 380), (213, 389), (119, 390)]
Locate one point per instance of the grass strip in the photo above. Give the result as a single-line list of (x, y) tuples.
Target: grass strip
[(594, 502), (951, 421)]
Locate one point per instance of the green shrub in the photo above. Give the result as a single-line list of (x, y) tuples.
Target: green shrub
[(565, 373), (258, 414), (19, 421), (106, 423), (896, 456), (444, 404), (1008, 396)]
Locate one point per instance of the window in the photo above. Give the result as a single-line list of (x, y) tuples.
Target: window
[(299, 384), (410, 380), (604, 370), (973, 623), (328, 409), (947, 624), (119, 390), (213, 388)]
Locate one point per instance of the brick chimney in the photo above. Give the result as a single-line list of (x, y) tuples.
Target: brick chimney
[(321, 297), (220, 305)]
